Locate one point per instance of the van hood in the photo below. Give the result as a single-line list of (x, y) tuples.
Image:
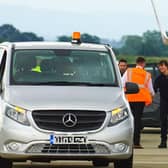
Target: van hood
[(64, 97)]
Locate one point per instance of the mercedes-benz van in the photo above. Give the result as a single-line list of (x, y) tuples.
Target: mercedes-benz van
[(63, 101)]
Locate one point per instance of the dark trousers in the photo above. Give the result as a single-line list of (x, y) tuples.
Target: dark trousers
[(163, 118), (137, 111)]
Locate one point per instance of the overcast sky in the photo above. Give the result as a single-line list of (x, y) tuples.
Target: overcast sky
[(105, 18)]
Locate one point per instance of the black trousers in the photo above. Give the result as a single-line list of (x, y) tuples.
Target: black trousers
[(137, 111), (163, 118)]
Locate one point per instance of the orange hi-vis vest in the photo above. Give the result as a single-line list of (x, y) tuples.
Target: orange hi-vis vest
[(140, 77)]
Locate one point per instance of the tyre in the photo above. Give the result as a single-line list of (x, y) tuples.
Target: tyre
[(100, 163), (6, 163), (126, 163)]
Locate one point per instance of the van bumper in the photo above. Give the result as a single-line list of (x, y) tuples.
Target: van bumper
[(20, 143)]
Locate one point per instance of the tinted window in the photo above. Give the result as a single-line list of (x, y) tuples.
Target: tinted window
[(153, 70), (62, 67)]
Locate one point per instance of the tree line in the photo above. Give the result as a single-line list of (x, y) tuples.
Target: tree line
[(149, 44), (10, 33)]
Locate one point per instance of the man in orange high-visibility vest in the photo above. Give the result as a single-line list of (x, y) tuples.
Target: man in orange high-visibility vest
[(144, 97)]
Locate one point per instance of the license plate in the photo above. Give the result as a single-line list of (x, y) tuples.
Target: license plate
[(60, 139)]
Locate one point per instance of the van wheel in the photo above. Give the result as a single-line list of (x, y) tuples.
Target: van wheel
[(126, 163), (6, 163), (100, 163)]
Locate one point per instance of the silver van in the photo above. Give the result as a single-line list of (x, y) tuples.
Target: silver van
[(63, 101)]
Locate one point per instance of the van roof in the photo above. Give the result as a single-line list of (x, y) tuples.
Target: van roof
[(55, 45)]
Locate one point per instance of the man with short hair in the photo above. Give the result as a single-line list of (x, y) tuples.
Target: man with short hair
[(161, 84), (122, 66), (144, 97)]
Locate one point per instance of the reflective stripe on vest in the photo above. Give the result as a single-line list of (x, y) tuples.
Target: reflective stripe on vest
[(141, 78), (147, 78)]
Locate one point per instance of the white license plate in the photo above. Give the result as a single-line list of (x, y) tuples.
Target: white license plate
[(61, 139)]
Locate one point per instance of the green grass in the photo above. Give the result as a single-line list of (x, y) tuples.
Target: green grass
[(149, 59)]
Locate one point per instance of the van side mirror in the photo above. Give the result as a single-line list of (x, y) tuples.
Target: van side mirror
[(131, 88)]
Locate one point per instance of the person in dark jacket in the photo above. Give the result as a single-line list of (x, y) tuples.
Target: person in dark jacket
[(161, 84)]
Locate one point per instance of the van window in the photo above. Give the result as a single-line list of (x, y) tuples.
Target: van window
[(1, 54), (62, 67)]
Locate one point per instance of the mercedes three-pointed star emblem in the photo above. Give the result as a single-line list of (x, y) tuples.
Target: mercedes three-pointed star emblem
[(69, 120)]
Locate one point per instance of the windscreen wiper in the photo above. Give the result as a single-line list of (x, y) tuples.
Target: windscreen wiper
[(66, 83)]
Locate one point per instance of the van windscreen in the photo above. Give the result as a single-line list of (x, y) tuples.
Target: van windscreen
[(62, 67)]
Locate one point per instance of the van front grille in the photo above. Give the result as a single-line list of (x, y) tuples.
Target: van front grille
[(69, 120), (68, 149)]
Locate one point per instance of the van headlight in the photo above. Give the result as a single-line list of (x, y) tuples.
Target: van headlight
[(17, 113), (118, 115)]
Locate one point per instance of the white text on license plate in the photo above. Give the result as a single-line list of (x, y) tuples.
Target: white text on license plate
[(54, 139)]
